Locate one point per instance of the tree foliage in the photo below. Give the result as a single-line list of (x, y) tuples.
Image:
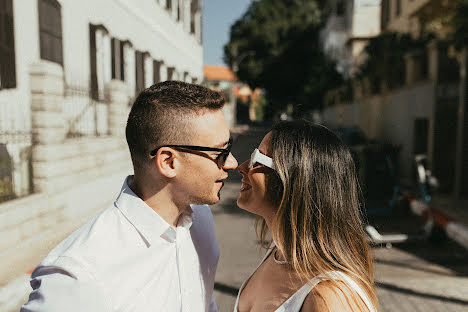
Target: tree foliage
[(460, 24), (386, 58), (275, 46)]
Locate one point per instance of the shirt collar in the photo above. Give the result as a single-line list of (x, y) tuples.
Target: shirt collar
[(148, 222)]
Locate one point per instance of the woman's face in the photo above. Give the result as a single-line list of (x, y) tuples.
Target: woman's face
[(253, 193)]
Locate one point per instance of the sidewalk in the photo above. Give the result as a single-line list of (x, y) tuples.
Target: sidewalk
[(450, 214)]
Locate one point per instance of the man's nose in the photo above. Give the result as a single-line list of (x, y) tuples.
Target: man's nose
[(231, 162)]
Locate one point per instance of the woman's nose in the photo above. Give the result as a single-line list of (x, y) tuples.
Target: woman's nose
[(243, 168)]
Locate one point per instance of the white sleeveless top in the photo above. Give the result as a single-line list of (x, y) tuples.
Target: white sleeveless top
[(294, 303)]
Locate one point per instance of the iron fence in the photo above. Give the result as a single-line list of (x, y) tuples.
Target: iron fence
[(85, 115), (15, 164)]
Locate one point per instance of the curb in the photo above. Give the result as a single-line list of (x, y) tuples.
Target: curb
[(455, 230)]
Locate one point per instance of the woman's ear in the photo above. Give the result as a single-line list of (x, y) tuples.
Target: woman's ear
[(166, 161)]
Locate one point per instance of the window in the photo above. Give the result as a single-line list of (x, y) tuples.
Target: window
[(93, 62), (178, 11), (340, 8), (100, 60), (385, 16), (7, 46), (420, 134), (168, 4), (398, 8), (139, 71), (50, 31), (170, 73), (156, 71), (193, 9), (117, 54)]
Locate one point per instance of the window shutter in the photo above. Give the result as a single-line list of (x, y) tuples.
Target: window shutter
[(7, 46), (122, 60), (156, 71), (170, 73), (50, 31), (116, 53), (93, 63), (193, 9), (384, 14), (178, 10), (139, 72)]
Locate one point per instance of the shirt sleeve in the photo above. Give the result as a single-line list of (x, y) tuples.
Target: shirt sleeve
[(55, 289), (213, 307)]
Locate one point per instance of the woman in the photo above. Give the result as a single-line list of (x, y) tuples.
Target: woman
[(301, 183)]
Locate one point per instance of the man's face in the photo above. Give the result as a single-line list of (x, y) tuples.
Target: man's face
[(200, 179)]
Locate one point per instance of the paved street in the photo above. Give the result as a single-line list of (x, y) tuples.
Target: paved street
[(416, 276)]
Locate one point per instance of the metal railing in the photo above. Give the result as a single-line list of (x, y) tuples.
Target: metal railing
[(84, 115), (15, 164)]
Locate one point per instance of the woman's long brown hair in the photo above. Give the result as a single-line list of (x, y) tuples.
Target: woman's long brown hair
[(318, 222)]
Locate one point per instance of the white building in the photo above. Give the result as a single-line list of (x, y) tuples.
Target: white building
[(69, 70), (139, 42), (349, 25)]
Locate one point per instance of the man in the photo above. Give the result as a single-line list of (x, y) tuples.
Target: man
[(155, 249)]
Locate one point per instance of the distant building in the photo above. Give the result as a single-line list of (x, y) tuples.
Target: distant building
[(416, 16), (349, 25), (424, 111), (221, 78)]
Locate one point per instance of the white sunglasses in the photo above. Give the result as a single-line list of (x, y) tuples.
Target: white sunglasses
[(258, 157)]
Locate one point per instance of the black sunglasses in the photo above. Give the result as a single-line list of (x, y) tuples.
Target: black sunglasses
[(220, 159)]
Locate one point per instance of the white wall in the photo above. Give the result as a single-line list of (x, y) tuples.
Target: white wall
[(15, 103), (388, 118), (147, 24)]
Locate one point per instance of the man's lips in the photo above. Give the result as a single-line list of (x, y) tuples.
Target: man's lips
[(221, 181)]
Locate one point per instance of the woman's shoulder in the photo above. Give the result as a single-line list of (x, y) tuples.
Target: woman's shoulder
[(329, 296)]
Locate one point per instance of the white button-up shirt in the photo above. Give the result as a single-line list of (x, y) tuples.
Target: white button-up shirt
[(128, 258)]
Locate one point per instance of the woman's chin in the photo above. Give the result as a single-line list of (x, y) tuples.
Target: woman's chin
[(241, 203)]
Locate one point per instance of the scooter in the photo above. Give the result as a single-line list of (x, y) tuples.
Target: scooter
[(427, 185)]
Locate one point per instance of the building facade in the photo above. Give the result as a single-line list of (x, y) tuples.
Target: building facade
[(416, 16), (69, 71), (94, 42), (349, 25), (424, 111)]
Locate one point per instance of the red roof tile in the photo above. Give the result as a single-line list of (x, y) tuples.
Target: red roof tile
[(218, 73)]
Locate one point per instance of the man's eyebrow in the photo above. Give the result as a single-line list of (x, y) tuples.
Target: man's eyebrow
[(222, 145)]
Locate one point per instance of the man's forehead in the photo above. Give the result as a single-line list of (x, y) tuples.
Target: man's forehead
[(209, 128)]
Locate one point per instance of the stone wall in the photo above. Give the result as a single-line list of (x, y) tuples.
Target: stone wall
[(72, 178)]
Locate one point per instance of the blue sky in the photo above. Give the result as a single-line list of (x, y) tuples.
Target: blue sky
[(218, 15)]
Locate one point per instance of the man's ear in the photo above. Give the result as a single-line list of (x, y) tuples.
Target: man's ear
[(166, 161)]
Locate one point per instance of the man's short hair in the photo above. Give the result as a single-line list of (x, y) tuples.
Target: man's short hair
[(161, 114)]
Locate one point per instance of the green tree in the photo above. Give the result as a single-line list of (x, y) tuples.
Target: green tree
[(386, 58), (275, 46), (460, 24)]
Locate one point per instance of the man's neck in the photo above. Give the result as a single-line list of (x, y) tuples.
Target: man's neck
[(158, 199)]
